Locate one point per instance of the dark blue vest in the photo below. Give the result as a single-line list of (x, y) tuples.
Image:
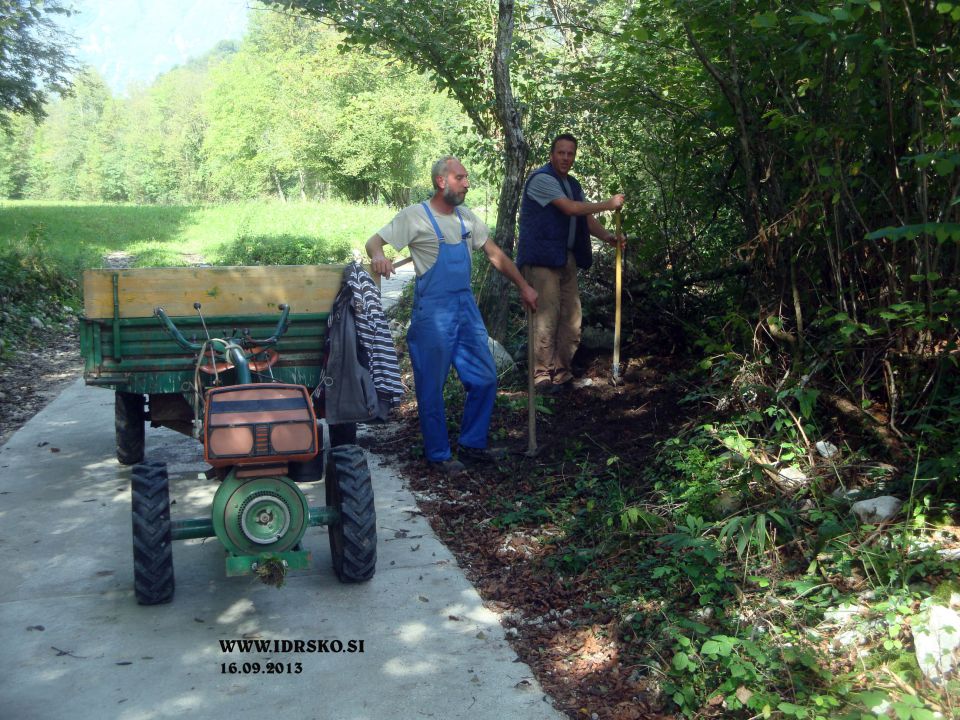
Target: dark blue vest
[(544, 230)]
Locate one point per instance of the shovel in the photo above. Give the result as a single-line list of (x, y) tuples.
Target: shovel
[(616, 379)]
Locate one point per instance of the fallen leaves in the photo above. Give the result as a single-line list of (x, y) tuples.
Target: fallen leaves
[(553, 620)]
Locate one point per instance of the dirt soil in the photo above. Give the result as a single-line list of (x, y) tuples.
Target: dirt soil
[(33, 377), (556, 623)]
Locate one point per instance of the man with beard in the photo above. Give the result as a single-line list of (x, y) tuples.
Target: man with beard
[(446, 328), (556, 223)]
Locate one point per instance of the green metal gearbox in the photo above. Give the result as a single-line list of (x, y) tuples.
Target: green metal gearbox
[(260, 514)]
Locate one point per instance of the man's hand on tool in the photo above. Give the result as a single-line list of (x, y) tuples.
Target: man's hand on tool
[(617, 239), (381, 264), (613, 240), (529, 298)]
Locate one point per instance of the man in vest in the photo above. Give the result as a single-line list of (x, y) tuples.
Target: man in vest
[(556, 223), (446, 327)]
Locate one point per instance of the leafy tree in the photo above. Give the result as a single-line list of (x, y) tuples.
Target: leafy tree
[(293, 116), (237, 143), (16, 139), (35, 55), (467, 50), (843, 121), (161, 132), (65, 151)]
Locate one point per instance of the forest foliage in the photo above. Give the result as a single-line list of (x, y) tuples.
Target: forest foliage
[(802, 159), (792, 173), (282, 114), (35, 56)]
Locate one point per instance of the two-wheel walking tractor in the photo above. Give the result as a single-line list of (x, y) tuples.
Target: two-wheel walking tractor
[(229, 355)]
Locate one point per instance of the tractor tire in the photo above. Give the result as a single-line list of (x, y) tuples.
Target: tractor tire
[(129, 417), (152, 548), (353, 537)]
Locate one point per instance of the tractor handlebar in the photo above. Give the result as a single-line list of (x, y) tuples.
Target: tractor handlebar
[(282, 325)]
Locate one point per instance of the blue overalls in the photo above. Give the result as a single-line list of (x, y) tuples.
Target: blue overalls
[(446, 328)]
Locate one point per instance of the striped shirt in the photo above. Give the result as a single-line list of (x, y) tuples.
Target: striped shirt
[(373, 333)]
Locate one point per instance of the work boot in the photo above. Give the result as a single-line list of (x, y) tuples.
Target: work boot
[(562, 388), (544, 387), (481, 456), (449, 467)]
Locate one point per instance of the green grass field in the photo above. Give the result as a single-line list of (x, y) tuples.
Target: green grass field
[(75, 236), (45, 246)]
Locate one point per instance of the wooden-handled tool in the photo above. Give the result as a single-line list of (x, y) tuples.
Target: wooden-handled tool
[(619, 292), (400, 263), (531, 392)]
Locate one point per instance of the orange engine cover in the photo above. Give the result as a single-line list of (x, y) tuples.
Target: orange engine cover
[(259, 423)]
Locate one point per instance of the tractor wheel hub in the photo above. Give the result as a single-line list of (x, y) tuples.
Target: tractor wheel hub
[(265, 519)]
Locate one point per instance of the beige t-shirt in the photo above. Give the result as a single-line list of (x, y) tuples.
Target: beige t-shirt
[(412, 228)]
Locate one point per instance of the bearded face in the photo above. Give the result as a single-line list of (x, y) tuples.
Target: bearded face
[(454, 198), (456, 182)]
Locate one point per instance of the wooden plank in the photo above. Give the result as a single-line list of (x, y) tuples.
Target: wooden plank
[(220, 290)]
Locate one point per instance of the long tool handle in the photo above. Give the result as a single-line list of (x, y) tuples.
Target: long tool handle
[(531, 392), (619, 291)]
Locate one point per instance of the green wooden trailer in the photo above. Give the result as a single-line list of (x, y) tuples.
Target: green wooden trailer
[(259, 513), (127, 349)]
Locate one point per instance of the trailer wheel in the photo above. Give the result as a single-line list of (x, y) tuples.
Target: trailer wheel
[(152, 550), (129, 417), (353, 537)]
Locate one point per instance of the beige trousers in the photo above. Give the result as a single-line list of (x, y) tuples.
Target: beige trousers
[(556, 323)]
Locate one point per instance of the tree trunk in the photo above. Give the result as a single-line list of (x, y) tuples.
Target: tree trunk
[(492, 295)]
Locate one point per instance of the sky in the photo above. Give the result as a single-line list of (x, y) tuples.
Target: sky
[(133, 41)]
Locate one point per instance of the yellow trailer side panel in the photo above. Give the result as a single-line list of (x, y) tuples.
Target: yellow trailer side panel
[(220, 290)]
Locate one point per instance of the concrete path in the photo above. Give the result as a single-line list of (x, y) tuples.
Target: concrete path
[(76, 645)]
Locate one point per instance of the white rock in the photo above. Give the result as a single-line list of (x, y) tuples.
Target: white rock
[(847, 494), (876, 509), (880, 709), (826, 449), (398, 330), (843, 614), (504, 362), (36, 322), (936, 640), (792, 477), (704, 614), (848, 638)]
